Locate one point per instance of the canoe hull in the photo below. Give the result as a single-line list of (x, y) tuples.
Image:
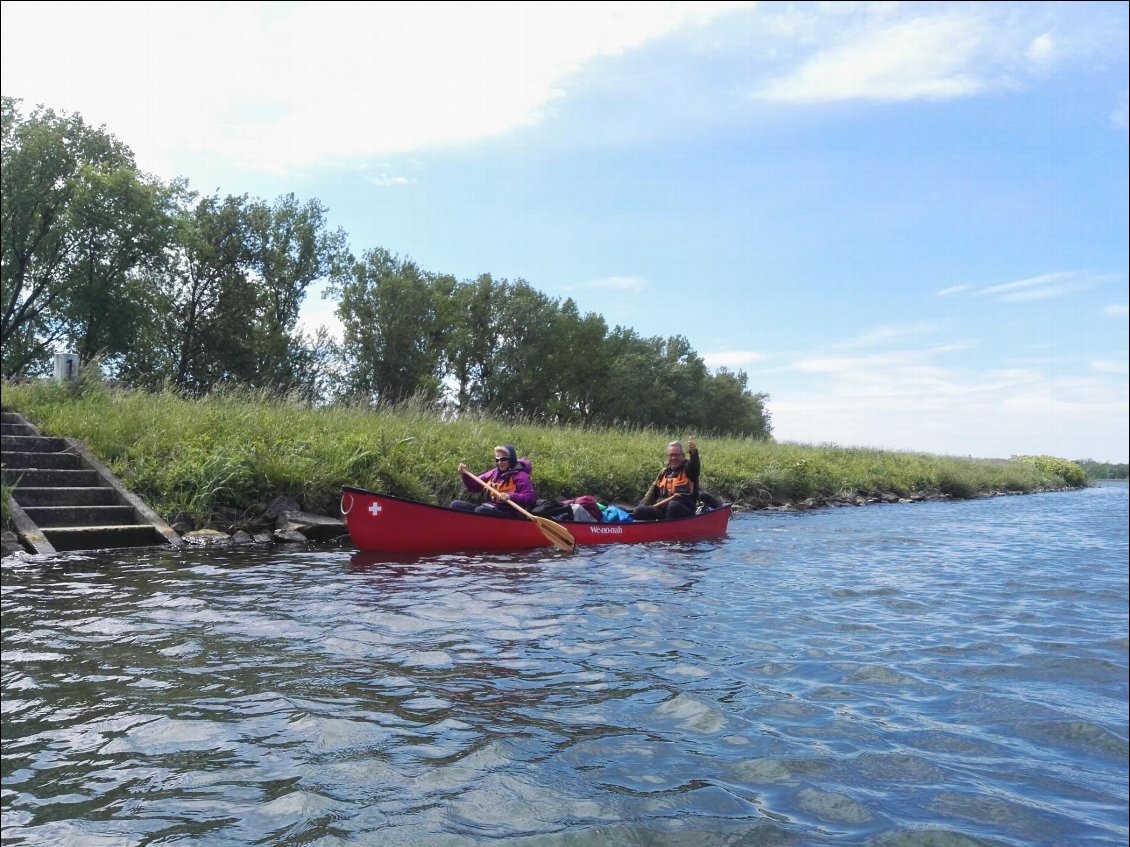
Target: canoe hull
[(381, 523)]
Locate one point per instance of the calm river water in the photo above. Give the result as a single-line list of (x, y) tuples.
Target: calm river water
[(925, 675)]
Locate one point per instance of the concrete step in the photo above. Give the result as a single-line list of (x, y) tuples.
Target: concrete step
[(48, 478), (63, 498), (86, 496), (103, 537), (32, 444), (52, 516), (16, 429), (25, 459)]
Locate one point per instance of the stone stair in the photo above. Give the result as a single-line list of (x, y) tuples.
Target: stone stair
[(64, 499)]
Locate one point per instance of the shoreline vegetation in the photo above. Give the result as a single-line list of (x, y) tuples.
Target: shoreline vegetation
[(223, 458)]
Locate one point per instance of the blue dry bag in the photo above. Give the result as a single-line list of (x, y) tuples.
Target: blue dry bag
[(614, 514)]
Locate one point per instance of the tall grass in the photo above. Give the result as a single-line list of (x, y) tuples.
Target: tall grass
[(238, 449)]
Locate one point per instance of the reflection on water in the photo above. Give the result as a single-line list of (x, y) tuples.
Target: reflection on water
[(920, 674)]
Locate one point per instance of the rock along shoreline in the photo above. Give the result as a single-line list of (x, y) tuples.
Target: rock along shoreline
[(284, 522)]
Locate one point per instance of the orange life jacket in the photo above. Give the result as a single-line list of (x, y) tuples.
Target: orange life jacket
[(674, 482), (506, 484)]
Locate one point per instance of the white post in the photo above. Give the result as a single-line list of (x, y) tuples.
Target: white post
[(66, 365)]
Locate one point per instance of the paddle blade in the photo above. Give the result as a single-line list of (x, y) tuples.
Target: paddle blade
[(561, 538)]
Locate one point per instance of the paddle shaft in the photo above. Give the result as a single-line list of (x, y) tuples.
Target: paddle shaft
[(561, 537), (666, 500), (496, 492)]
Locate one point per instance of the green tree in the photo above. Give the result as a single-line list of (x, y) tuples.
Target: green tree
[(78, 220), (629, 373), (121, 226), (726, 407), (289, 246), (471, 349), (225, 301), (529, 355), (581, 369), (678, 389), (197, 297), (394, 337)]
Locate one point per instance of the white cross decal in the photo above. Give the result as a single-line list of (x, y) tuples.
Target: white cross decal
[(375, 509)]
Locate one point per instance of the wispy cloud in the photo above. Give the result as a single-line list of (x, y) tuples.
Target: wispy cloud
[(1117, 310), (887, 334), (1110, 366), (386, 181), (952, 290), (929, 57), (1120, 117), (1032, 288), (1043, 287), (892, 52), (862, 369), (631, 284)]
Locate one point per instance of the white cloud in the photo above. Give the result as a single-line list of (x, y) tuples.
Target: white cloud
[(385, 181), (892, 52), (905, 398), (1110, 366), (1118, 310), (904, 373), (892, 406), (929, 57), (1120, 117), (1043, 49), (1043, 287), (885, 334), (1027, 283), (1048, 292), (318, 313), (284, 86)]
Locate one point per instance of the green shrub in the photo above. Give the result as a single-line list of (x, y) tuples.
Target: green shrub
[(1068, 473)]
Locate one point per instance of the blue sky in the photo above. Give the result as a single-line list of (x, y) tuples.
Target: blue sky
[(906, 222)]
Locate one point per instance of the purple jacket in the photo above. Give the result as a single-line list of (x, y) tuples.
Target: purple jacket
[(523, 493)]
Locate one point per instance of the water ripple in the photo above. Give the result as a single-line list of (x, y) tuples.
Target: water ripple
[(880, 676)]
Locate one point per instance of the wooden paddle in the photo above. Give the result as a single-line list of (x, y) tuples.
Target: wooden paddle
[(561, 538), (664, 501)]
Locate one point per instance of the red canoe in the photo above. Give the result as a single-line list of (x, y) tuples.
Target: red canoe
[(381, 523)]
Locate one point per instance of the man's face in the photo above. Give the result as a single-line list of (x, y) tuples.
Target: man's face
[(674, 456)]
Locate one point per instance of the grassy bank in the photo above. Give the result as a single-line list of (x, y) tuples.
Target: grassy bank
[(237, 451)]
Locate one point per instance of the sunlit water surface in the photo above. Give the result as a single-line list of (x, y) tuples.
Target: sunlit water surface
[(926, 674)]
